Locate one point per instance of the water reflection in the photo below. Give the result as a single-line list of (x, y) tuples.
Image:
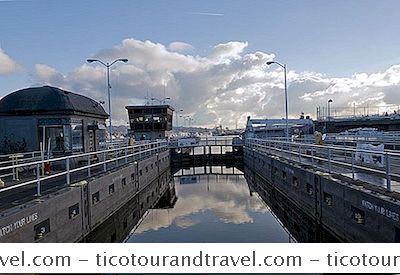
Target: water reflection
[(214, 205)]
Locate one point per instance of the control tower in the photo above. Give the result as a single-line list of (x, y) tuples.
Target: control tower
[(148, 122)]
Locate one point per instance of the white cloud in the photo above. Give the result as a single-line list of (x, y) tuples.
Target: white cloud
[(179, 46), (7, 64), (222, 87)]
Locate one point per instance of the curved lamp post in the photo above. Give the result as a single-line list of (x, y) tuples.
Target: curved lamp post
[(108, 65), (286, 95)]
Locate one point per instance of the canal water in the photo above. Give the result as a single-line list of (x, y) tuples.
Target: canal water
[(211, 204)]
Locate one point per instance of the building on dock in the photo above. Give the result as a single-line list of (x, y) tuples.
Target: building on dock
[(273, 128), (63, 121), (148, 122)]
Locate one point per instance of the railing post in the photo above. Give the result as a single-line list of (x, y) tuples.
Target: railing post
[(104, 162), (352, 165), (312, 156), (68, 173), (300, 153), (388, 179), (329, 160), (126, 158), (38, 180), (89, 175)]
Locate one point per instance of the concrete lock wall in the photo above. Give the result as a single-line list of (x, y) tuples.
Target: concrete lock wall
[(349, 211), (74, 211)]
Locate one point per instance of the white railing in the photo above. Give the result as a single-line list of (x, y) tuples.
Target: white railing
[(207, 141), (333, 159), (68, 166)]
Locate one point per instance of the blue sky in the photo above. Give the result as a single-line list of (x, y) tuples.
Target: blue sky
[(334, 38)]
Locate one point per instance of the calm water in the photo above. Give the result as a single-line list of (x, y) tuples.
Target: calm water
[(211, 208)]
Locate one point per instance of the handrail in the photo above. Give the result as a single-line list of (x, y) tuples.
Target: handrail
[(77, 155), (331, 155), (327, 146), (141, 150), (74, 170)]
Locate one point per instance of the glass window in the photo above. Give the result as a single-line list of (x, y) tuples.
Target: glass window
[(77, 136)]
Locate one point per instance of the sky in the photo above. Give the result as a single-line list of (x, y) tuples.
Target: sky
[(208, 56)]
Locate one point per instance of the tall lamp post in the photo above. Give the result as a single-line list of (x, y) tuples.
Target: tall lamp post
[(108, 65), (329, 109), (177, 115), (286, 95)]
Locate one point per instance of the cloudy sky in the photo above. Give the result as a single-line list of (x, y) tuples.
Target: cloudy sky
[(208, 56)]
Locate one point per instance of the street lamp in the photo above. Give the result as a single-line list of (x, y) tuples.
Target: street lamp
[(286, 95), (177, 116), (108, 65), (329, 109)]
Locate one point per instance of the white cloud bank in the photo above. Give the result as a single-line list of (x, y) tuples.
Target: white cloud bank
[(223, 87), (7, 64)]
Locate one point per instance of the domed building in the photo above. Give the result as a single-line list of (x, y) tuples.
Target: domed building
[(63, 121)]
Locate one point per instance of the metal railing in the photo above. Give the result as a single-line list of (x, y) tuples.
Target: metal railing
[(81, 165), (207, 141), (346, 161)]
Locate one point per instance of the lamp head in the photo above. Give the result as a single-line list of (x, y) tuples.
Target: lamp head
[(330, 101), (124, 60), (91, 60), (270, 62)]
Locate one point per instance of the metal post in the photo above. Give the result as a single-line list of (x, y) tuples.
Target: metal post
[(89, 175), (286, 105), (68, 174), (38, 179), (104, 162), (126, 158), (109, 98), (312, 155), (388, 179), (300, 153), (352, 165), (329, 160)]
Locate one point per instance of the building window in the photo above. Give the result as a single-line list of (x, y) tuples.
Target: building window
[(42, 229), (309, 189), (123, 181), (147, 169), (148, 199), (328, 199), (77, 135), (95, 198), (133, 177), (357, 215), (283, 175), (111, 189), (295, 181), (152, 166), (73, 211), (140, 172)]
